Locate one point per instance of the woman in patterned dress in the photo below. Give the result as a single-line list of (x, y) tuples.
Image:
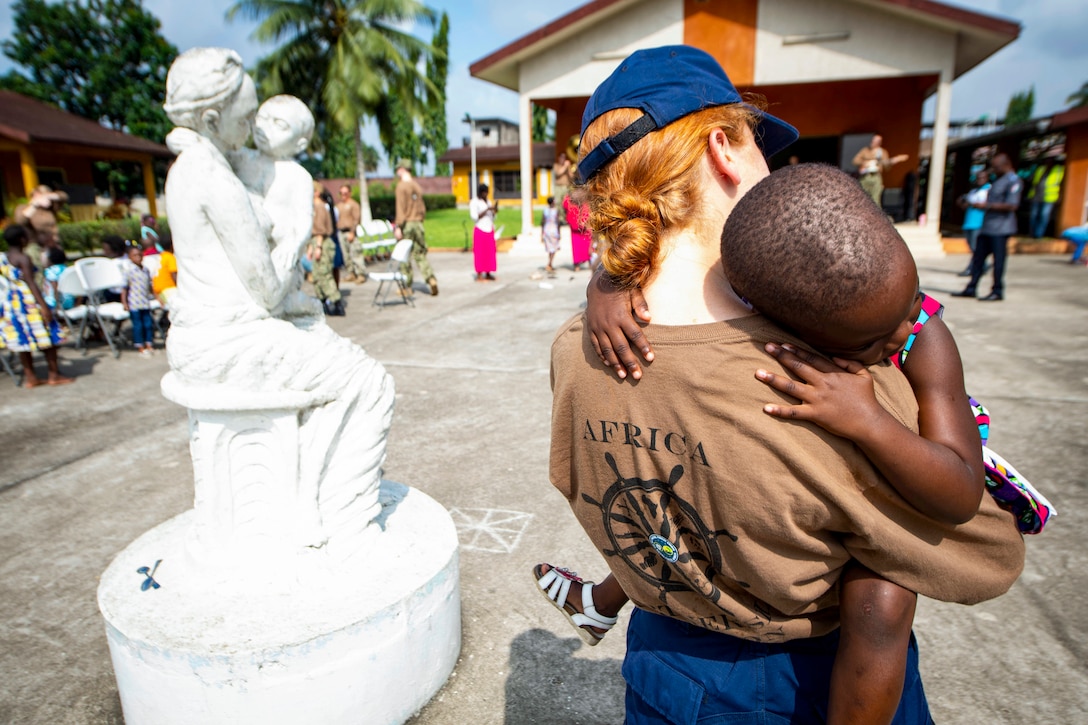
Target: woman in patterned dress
[(26, 322)]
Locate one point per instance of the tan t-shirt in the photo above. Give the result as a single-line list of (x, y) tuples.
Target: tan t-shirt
[(322, 226), (350, 215), (711, 511), (409, 199)]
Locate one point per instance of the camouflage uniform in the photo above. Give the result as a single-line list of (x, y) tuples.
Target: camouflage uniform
[(347, 223), (324, 284), (414, 231), (409, 219)]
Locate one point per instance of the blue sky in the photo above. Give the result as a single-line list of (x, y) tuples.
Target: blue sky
[(1051, 53)]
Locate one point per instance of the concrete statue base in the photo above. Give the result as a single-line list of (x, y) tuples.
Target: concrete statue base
[(368, 641)]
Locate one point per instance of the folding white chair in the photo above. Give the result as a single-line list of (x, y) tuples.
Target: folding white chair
[(393, 278), (376, 238), (71, 284), (99, 274)]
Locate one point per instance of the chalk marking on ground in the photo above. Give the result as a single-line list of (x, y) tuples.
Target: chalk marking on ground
[(498, 531)]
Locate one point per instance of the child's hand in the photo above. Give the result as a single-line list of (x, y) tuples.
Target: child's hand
[(613, 327), (836, 396)]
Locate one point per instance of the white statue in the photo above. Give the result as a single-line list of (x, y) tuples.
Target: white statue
[(281, 187), (300, 587), (242, 336)]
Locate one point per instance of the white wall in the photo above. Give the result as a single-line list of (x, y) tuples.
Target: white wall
[(569, 68), (881, 44)]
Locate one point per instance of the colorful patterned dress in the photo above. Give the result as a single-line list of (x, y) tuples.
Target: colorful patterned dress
[(1004, 483), (21, 326), (551, 230)]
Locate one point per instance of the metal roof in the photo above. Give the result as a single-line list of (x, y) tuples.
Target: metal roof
[(29, 121)]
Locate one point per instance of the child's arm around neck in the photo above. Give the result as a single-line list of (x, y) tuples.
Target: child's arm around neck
[(937, 470)]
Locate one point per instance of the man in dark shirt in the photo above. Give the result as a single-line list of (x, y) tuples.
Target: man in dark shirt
[(998, 224)]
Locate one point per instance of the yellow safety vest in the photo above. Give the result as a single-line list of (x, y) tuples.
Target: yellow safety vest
[(1052, 185)]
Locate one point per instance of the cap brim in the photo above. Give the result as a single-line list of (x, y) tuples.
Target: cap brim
[(773, 134)]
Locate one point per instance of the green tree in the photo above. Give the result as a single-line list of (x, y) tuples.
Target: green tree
[(336, 158), (100, 59), (543, 127), (344, 59), (434, 135), (1079, 98), (403, 142), (1021, 106)]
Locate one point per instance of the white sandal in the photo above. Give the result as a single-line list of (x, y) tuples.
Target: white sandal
[(554, 585)]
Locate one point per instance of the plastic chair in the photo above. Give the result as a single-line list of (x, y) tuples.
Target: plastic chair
[(99, 274), (376, 238), (70, 283), (394, 278)]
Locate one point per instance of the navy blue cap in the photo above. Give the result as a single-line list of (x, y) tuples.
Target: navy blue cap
[(667, 84)]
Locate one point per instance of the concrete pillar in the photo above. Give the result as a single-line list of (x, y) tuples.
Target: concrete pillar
[(29, 169), (528, 241), (935, 188), (525, 141)]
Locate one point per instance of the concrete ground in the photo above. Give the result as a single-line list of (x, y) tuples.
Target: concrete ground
[(86, 468)]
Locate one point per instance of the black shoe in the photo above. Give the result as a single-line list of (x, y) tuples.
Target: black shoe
[(965, 273), (969, 292), (992, 297)]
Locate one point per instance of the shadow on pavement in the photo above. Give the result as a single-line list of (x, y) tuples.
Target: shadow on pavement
[(548, 685)]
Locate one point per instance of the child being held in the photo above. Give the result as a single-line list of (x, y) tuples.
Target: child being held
[(863, 307), (281, 187)]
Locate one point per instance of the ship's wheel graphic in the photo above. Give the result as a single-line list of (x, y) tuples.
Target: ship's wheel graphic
[(660, 535)]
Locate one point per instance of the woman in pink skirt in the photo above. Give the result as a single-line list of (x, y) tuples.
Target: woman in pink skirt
[(483, 236), (580, 235)]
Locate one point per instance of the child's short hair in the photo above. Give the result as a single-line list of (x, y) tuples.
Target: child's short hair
[(807, 243), (551, 200), (166, 242), (56, 255), (16, 235), (114, 243)]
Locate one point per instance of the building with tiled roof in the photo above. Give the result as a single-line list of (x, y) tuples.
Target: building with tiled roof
[(39, 142)]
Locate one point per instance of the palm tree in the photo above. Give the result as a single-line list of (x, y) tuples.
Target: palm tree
[(344, 58), (1080, 98)]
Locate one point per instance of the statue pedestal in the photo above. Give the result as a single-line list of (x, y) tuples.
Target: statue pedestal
[(366, 640)]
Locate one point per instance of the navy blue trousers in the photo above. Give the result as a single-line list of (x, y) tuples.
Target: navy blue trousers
[(681, 674)]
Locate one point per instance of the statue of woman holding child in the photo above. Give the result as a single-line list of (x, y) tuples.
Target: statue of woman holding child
[(242, 335)]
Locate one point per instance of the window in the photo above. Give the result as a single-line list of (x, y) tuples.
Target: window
[(507, 184)]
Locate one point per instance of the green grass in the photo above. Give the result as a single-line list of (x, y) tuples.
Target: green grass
[(448, 227)]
